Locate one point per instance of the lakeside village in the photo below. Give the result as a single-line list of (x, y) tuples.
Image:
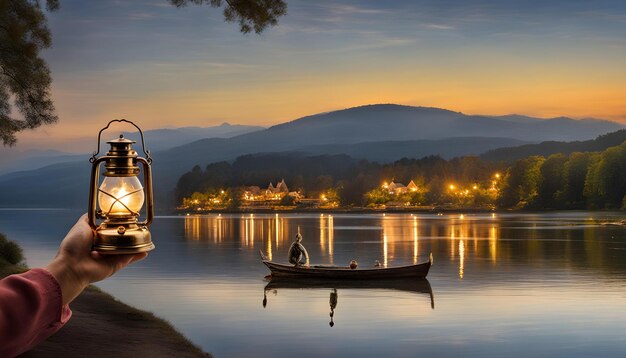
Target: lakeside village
[(388, 196)]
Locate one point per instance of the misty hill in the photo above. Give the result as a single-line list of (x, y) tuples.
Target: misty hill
[(551, 147), (389, 122), (161, 139), (389, 151), (60, 185), (374, 131), (377, 123), (16, 159)]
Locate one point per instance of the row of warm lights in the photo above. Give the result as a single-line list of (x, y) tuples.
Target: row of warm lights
[(386, 186), (475, 186)]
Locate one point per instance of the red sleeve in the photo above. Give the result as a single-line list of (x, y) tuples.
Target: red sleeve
[(31, 309)]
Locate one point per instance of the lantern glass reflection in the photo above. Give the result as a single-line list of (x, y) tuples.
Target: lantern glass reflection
[(121, 196)]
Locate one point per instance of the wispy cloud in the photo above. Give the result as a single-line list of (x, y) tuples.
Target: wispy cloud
[(351, 9), (439, 26)]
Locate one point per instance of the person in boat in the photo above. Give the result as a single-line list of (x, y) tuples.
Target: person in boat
[(297, 252)]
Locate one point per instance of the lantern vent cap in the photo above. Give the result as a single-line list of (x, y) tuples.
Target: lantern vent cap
[(121, 140)]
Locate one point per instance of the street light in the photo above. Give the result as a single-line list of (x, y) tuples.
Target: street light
[(119, 198)]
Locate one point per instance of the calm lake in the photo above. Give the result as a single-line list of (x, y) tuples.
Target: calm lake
[(549, 284)]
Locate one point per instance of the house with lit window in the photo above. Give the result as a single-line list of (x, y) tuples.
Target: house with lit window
[(396, 188), (399, 188)]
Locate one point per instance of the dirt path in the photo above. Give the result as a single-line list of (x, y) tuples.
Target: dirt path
[(101, 326)]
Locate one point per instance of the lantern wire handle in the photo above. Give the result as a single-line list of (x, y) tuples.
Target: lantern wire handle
[(143, 146)]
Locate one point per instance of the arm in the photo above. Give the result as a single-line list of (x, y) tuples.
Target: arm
[(34, 305), (76, 266), (31, 309)]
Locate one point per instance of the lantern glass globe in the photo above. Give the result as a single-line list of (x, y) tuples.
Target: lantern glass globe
[(120, 196)]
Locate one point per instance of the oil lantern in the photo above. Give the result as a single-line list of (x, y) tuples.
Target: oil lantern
[(116, 200)]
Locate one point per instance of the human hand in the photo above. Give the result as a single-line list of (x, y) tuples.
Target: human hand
[(76, 265)]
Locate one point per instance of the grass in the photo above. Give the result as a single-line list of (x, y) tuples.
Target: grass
[(119, 308)]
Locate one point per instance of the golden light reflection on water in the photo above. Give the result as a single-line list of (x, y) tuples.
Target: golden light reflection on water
[(415, 242), (323, 232), (327, 235), (402, 237), (493, 243), (462, 258), (331, 238), (385, 251), (532, 290)]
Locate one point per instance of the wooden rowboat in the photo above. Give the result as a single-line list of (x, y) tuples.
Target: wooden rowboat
[(346, 273)]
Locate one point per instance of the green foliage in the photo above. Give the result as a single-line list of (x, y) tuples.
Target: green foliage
[(233, 197), (307, 174), (250, 14), (10, 251), (24, 76), (521, 183), (605, 184), (378, 196), (342, 180), (574, 173), (330, 198), (551, 181), (211, 199), (575, 181)]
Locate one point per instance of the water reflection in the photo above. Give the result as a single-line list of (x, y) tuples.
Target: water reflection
[(415, 243), (333, 304), (417, 286), (405, 239), (527, 275), (327, 235)]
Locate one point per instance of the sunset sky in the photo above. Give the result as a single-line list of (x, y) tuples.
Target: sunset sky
[(163, 66)]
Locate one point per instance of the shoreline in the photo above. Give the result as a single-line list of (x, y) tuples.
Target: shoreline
[(348, 210), (380, 211), (103, 326), (352, 210)]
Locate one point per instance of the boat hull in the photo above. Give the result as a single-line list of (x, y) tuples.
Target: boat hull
[(345, 273)]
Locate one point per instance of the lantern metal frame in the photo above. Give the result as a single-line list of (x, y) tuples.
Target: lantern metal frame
[(121, 234)]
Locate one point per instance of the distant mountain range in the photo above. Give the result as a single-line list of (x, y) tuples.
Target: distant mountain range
[(161, 139), (389, 122), (376, 132), (15, 159)]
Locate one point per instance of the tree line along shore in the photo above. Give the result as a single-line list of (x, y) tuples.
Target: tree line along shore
[(579, 180)]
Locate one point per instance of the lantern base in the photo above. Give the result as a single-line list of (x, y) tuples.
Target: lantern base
[(114, 239)]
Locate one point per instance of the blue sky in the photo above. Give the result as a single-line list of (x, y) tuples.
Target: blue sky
[(164, 66)]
